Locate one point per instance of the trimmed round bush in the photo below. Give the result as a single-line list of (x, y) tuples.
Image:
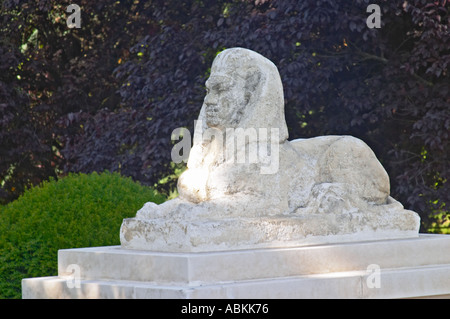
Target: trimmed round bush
[(78, 210)]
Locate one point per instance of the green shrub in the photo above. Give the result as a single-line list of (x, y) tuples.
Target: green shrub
[(77, 211)]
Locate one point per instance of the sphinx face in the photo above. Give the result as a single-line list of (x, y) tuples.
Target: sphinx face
[(224, 96)]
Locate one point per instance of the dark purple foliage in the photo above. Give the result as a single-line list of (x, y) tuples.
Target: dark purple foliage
[(108, 95)]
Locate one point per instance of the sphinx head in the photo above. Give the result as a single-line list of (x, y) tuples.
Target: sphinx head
[(244, 90), (230, 88)]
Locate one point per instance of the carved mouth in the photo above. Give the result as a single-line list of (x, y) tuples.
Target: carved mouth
[(211, 116), (211, 110)]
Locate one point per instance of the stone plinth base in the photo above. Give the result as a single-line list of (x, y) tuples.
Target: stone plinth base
[(203, 235), (401, 268)]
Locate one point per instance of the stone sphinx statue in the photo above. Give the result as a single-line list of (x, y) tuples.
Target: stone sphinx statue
[(246, 186)]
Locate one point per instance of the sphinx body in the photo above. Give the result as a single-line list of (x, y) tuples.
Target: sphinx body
[(305, 191)]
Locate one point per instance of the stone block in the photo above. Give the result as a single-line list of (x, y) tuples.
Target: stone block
[(408, 268)]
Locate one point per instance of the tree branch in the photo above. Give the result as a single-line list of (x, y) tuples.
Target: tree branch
[(368, 56)]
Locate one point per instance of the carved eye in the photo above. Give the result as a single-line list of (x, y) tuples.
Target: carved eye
[(220, 87), (216, 88)]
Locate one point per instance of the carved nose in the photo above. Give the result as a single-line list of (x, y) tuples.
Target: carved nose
[(210, 101)]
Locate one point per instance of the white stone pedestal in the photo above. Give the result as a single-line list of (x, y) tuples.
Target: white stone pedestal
[(400, 268)]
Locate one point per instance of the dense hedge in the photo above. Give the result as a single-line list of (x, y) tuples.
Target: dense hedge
[(77, 211)]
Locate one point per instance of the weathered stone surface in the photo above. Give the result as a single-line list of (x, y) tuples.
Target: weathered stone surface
[(407, 268), (200, 235), (250, 187)]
